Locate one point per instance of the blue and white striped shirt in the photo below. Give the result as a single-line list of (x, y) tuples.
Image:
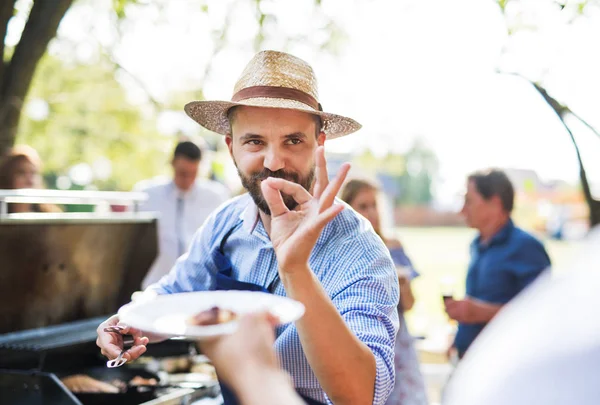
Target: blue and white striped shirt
[(349, 259)]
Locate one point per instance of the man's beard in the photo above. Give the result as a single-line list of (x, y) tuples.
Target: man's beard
[(252, 184)]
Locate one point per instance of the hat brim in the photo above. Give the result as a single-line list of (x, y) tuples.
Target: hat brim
[(212, 115)]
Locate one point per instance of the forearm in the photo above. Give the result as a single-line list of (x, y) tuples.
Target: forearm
[(407, 299), (265, 387), (344, 366), (486, 311)]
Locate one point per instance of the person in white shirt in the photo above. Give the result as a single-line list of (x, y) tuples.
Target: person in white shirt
[(183, 203)]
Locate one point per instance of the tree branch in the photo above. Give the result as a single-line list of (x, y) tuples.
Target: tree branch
[(41, 27), (561, 111), (587, 124), (6, 12), (136, 79)]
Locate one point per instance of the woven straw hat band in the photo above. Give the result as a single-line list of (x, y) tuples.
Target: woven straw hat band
[(277, 92)]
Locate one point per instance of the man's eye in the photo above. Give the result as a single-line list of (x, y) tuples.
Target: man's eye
[(295, 141), (253, 142)]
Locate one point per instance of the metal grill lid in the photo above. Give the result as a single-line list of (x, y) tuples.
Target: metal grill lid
[(54, 272)]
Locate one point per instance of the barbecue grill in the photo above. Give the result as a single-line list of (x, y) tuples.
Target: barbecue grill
[(61, 275)]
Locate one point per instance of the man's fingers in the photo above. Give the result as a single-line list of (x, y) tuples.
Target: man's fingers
[(321, 176), (141, 340), (273, 198), (250, 320), (272, 319), (109, 343), (333, 188), (450, 351), (326, 216), (261, 324), (266, 318), (454, 310), (134, 352), (111, 351), (299, 193), (128, 330)]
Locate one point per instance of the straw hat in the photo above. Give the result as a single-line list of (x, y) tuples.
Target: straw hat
[(272, 80)]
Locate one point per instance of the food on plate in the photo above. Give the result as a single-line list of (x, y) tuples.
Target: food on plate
[(212, 316)]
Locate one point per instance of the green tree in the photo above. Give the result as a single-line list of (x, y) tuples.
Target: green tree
[(17, 65), (89, 119), (417, 180), (19, 60)]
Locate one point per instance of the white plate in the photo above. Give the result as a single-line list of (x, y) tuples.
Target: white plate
[(167, 314)]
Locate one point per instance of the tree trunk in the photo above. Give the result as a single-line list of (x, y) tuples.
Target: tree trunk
[(16, 75), (561, 111)]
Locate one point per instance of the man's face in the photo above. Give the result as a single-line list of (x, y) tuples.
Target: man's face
[(268, 142), (478, 211), (26, 175), (365, 203), (184, 172)]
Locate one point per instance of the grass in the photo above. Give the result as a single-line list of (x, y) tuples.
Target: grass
[(439, 253)]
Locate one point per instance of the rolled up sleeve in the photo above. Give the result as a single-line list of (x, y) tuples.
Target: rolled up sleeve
[(195, 270), (368, 305)]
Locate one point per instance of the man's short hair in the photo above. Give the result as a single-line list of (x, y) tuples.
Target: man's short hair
[(494, 182), (188, 150), (318, 122)]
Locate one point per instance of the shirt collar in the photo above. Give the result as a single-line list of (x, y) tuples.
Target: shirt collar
[(250, 216), (499, 237), (181, 194)]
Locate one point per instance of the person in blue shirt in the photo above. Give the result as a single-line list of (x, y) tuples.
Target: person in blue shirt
[(290, 236), (504, 258)]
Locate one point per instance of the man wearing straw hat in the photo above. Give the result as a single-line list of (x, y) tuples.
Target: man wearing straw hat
[(290, 236)]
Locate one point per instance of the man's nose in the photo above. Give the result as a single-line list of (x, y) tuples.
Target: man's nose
[(273, 160)]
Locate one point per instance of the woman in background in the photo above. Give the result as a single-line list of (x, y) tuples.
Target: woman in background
[(409, 388), (20, 168)]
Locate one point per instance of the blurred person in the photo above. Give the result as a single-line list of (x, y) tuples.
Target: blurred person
[(544, 347), (504, 258), (21, 168), (247, 362), (291, 237), (183, 202), (409, 388)]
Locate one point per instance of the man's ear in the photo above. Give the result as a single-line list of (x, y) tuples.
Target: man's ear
[(229, 142), (321, 139), (497, 203)]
